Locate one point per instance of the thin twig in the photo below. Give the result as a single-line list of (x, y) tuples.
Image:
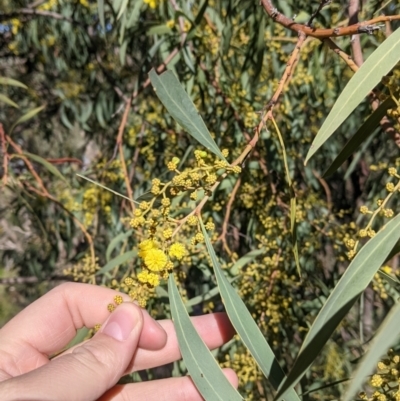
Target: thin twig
[(21, 155), (224, 231), (343, 55), (321, 5), (362, 27), (4, 154), (121, 130)]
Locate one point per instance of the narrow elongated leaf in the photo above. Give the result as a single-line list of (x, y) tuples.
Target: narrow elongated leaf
[(119, 260), (246, 327), (293, 229), (394, 251), (53, 170), (115, 241), (100, 6), (203, 368), (12, 82), (122, 9), (353, 282), (7, 100), (135, 14), (391, 280), (387, 334), (250, 256), (362, 134), (27, 116), (378, 64), (106, 188), (180, 106)]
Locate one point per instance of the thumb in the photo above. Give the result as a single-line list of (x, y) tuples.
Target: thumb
[(91, 369)]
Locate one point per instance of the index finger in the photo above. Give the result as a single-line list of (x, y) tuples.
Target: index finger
[(50, 323)]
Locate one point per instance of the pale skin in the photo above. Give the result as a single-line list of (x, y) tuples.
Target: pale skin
[(129, 340)]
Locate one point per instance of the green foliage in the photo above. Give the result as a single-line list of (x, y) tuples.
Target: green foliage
[(103, 181)]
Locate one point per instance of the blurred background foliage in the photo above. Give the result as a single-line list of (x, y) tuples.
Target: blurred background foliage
[(77, 74)]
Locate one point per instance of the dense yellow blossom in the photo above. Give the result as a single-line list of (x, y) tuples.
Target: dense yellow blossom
[(177, 250), (155, 260)]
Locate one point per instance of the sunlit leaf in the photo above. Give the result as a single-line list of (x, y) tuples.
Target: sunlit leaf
[(122, 9), (180, 106), (378, 64), (100, 5), (353, 282), (202, 366), (246, 327)]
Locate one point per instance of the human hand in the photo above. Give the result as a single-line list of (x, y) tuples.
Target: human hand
[(129, 340)]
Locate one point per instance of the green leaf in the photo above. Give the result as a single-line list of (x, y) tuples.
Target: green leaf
[(53, 170), (293, 229), (161, 29), (386, 336), (106, 188), (27, 116), (246, 327), (394, 251), (119, 260), (135, 14), (182, 109), (239, 264), (202, 367), (100, 5), (362, 134), (122, 9), (113, 244), (201, 12), (8, 101), (353, 282), (391, 280), (12, 82), (378, 64)]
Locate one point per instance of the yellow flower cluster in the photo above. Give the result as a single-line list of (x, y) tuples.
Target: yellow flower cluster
[(156, 265), (48, 5), (83, 271), (152, 3), (386, 380)]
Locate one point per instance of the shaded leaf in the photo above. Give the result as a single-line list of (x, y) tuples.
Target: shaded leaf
[(366, 129), (203, 368), (378, 64), (27, 116), (7, 100), (119, 260), (12, 82), (53, 170), (235, 269), (386, 336), (246, 327), (115, 241), (180, 106), (353, 282)]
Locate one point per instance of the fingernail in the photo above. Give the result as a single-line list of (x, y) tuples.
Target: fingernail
[(121, 323)]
